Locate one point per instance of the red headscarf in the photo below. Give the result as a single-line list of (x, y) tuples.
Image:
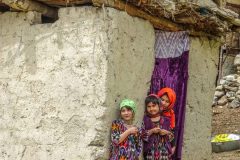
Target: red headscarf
[(169, 111)]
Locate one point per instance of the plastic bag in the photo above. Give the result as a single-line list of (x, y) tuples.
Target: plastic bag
[(225, 138)]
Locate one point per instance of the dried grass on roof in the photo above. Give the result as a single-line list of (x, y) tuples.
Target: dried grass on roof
[(192, 16), (172, 16)]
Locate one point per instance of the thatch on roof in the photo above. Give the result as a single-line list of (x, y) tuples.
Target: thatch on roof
[(65, 3), (29, 5), (212, 20), (163, 14)]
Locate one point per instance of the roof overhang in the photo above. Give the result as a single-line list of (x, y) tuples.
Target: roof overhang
[(198, 20)]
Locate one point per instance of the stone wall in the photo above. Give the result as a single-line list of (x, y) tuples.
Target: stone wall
[(232, 41), (228, 90), (203, 61), (61, 83)]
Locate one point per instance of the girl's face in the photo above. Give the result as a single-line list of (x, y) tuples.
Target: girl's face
[(165, 101), (152, 108), (126, 114)]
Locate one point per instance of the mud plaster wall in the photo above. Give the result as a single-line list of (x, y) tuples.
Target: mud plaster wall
[(61, 83), (203, 60)]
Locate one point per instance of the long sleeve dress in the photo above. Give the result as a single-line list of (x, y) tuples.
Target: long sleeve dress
[(128, 149), (156, 146)]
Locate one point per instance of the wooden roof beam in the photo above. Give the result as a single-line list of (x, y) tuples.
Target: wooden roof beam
[(159, 23), (234, 2), (220, 3), (29, 5)]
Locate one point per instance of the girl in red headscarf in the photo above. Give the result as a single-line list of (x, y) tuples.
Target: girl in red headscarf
[(167, 98)]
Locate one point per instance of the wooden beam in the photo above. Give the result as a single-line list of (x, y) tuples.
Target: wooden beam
[(236, 22), (220, 3), (235, 2), (237, 29), (65, 3), (186, 20), (28, 5), (203, 34), (159, 23)]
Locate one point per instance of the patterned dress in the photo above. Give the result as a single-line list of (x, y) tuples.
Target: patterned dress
[(156, 146), (128, 149)]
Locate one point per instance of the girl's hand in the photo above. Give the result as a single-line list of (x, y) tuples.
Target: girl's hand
[(133, 130), (124, 135), (153, 130), (156, 130), (173, 149), (171, 136), (164, 132)]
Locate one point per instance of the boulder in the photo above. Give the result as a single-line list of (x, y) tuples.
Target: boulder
[(215, 99), (238, 92), (238, 79), (232, 77), (238, 67), (219, 94), (229, 88), (237, 60), (230, 94), (222, 101), (222, 81), (234, 104), (238, 96), (219, 88), (230, 99), (234, 84)]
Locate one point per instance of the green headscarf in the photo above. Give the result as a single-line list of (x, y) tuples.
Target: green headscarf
[(128, 103)]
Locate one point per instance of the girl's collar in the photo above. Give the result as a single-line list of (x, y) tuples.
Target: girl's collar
[(153, 116), (125, 123)]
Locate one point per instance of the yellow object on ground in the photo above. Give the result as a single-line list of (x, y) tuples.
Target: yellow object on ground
[(225, 138)]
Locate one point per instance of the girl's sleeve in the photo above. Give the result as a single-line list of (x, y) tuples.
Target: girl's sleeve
[(115, 133), (139, 142), (144, 135), (172, 139)]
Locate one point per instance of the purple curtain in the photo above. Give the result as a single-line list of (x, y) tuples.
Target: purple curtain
[(173, 73)]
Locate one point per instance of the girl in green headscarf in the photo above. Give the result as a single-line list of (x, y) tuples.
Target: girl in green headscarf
[(125, 137)]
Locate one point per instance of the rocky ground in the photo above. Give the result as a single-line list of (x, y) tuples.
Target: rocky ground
[(226, 120), (233, 155)]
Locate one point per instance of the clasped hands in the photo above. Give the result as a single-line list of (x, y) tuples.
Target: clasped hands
[(132, 130), (158, 130)]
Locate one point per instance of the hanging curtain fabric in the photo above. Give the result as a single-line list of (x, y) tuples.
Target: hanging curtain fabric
[(171, 70)]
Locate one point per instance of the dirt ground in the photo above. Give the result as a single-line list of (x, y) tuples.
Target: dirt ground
[(226, 120)]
